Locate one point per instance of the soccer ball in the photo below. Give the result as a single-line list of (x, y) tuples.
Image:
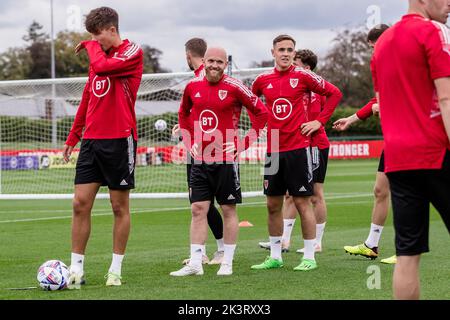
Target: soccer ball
[(53, 275), (160, 125)]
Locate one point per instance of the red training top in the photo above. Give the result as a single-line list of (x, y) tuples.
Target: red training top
[(106, 109)]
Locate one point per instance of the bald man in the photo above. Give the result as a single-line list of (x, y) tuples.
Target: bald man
[(210, 109), (415, 89)]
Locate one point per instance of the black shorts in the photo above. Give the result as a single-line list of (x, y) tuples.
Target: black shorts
[(381, 164), (288, 171), (219, 181), (412, 191), (319, 164), (110, 162)]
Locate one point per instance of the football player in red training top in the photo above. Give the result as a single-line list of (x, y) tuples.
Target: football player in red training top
[(108, 147), (211, 108), (369, 248), (195, 51), (287, 90), (319, 151), (411, 76)]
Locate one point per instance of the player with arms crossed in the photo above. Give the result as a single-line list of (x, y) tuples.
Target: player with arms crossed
[(411, 75), (288, 167), (195, 51), (369, 248), (320, 146), (211, 108), (108, 147)]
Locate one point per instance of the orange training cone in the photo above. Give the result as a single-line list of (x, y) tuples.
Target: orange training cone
[(245, 223)]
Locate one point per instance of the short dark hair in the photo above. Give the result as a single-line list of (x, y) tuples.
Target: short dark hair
[(196, 46), (307, 57), (376, 32), (283, 37), (100, 19)]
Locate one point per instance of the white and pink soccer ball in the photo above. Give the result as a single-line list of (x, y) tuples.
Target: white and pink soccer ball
[(53, 275)]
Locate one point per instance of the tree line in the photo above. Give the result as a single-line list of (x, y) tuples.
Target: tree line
[(33, 60), (346, 64)]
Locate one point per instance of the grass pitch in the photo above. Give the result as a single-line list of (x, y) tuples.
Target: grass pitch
[(33, 231)]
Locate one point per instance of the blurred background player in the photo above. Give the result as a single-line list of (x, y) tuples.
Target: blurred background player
[(319, 150), (108, 148), (411, 76), (380, 210), (211, 107), (288, 165), (195, 51)]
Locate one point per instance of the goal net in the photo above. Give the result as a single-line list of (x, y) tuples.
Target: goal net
[(36, 117)]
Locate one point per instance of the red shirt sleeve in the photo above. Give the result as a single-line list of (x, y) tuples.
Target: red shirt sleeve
[(257, 114), (256, 87), (333, 95), (437, 47), (366, 111), (123, 64), (80, 119), (185, 119)]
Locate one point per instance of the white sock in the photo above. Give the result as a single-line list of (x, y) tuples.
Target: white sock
[(309, 249), (220, 245), (116, 264), (77, 262), (197, 251), (320, 228), (275, 247), (228, 254), (287, 229), (374, 235)]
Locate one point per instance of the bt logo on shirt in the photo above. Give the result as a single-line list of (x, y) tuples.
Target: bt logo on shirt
[(101, 86), (282, 108), (208, 121)]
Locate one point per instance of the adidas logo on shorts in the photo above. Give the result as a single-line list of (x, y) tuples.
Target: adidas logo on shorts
[(231, 197), (302, 189), (123, 183)]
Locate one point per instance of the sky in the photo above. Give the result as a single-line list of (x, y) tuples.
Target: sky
[(245, 28)]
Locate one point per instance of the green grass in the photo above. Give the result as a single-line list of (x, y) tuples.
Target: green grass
[(33, 231)]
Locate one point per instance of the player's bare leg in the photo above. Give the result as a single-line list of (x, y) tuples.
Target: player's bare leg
[(120, 204), (198, 236), (81, 219), (230, 233), (320, 212), (381, 201), (380, 211), (406, 281), (289, 212), (82, 203)]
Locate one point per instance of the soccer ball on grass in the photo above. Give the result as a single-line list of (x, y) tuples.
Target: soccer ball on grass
[(53, 275)]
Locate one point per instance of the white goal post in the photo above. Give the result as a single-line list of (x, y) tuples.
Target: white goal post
[(36, 116)]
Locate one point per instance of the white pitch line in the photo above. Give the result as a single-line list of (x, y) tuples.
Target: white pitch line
[(248, 204)]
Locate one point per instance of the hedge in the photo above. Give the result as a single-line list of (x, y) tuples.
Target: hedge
[(22, 129)]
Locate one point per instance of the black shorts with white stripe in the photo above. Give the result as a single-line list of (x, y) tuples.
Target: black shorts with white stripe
[(219, 181), (319, 164), (289, 171), (110, 162)]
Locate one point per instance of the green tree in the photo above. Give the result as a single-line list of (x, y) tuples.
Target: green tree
[(39, 50), (347, 65), (33, 61), (15, 64), (67, 63), (151, 60)]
